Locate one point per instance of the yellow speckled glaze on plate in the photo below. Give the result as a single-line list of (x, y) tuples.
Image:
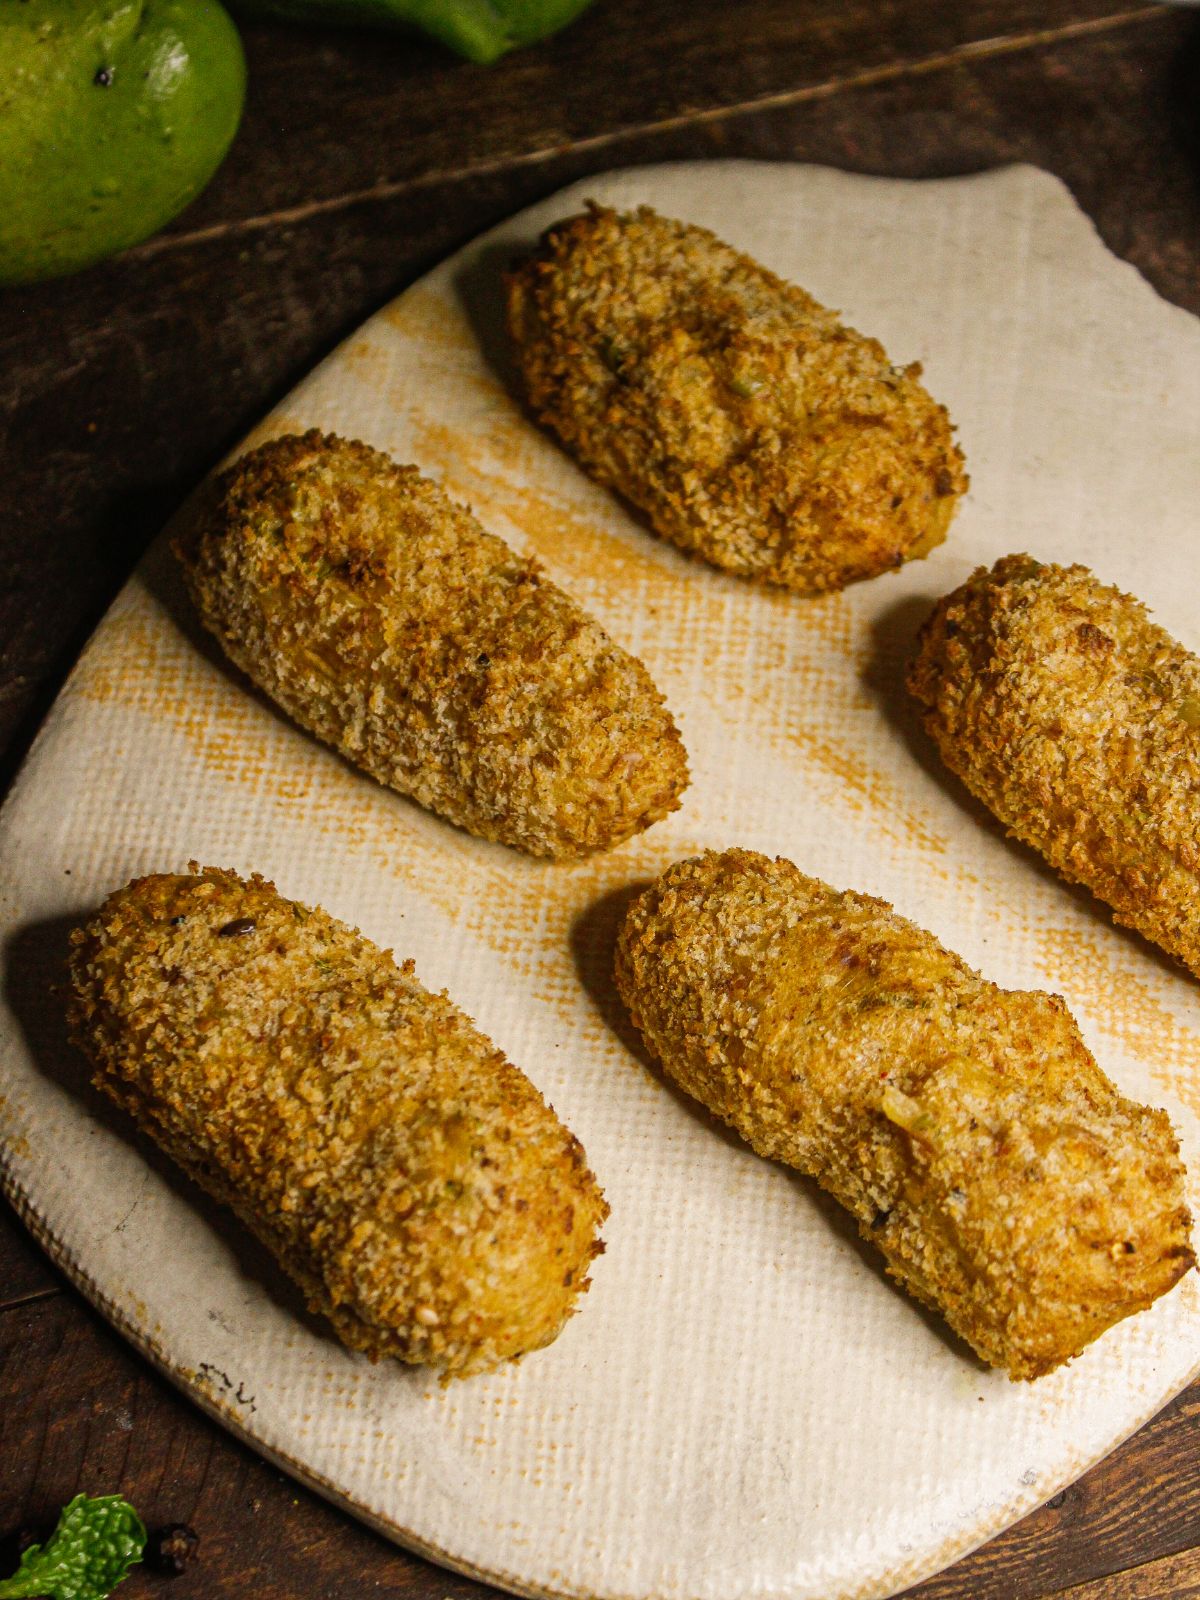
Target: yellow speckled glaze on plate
[(745, 1407)]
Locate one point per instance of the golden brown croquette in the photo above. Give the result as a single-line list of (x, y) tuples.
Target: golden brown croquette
[(966, 1128), (744, 420), (384, 619), (412, 1182), (1076, 720)]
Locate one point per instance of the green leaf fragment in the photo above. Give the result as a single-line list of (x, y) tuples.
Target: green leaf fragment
[(480, 30), (96, 1542), (483, 30)]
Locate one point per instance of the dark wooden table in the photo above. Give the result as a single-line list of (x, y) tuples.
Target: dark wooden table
[(361, 161)]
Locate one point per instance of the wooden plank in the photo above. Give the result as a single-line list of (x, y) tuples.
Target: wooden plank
[(1175, 1578), (25, 1273), (355, 113)]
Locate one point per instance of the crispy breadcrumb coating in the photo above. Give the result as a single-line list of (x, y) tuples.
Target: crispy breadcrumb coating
[(384, 619), (743, 418), (966, 1128), (412, 1182), (1076, 720)]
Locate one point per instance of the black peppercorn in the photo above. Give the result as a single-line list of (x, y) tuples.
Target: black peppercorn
[(169, 1549), (236, 928)]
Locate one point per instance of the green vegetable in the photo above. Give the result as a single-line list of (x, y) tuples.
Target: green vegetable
[(746, 384), (113, 115), (93, 1547), (481, 30)]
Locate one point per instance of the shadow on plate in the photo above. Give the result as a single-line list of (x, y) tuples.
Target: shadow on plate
[(479, 285), (593, 939)]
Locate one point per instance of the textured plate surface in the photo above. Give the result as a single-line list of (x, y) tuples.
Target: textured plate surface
[(745, 1406)]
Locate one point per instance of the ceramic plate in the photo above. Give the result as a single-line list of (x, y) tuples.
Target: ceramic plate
[(745, 1407)]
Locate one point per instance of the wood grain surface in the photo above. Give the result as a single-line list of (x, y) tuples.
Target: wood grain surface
[(361, 161)]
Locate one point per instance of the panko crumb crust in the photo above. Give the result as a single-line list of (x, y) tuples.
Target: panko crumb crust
[(384, 619), (967, 1129), (409, 1178), (1076, 720), (748, 424)]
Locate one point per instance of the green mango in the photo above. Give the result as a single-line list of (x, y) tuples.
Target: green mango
[(481, 30), (113, 115)]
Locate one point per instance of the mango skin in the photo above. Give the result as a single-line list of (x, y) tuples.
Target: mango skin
[(114, 114)]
